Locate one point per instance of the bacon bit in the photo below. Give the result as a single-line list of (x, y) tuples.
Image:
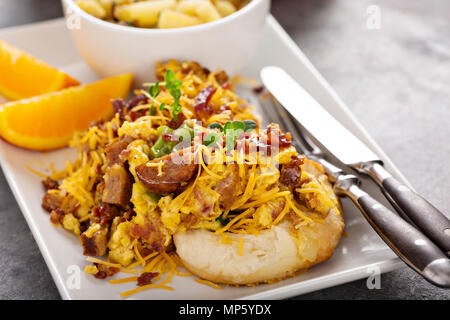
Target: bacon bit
[(128, 215), (100, 188), (56, 216), (206, 71), (224, 107), (201, 102), (157, 246), (115, 130), (146, 278), (169, 137), (99, 169), (105, 271), (51, 201), (244, 135), (198, 196), (189, 220), (242, 142), (201, 136), (281, 139), (172, 124), (277, 210), (99, 124), (119, 107), (221, 77), (124, 154), (105, 213), (100, 275), (206, 209), (139, 232), (291, 173), (286, 139), (49, 184), (84, 226), (258, 89), (143, 251), (137, 100), (226, 86)]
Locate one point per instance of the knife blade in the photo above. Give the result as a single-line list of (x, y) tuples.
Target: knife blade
[(351, 151)]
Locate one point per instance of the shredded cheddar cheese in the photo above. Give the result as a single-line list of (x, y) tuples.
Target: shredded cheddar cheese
[(159, 165), (123, 280), (109, 264)]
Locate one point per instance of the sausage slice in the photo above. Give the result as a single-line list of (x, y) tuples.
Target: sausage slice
[(118, 186), (176, 168)]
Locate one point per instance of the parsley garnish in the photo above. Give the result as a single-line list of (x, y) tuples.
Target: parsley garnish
[(216, 125), (212, 138), (154, 90), (174, 86), (231, 130), (223, 221)]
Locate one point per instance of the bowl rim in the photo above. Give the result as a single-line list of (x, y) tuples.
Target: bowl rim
[(136, 30)]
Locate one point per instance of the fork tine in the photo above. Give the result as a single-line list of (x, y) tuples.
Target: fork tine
[(315, 150), (276, 111)]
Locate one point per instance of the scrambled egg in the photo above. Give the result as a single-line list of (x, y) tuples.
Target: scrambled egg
[(141, 199), (71, 223), (169, 217), (120, 245), (139, 129), (319, 198), (138, 154), (92, 229), (263, 215)]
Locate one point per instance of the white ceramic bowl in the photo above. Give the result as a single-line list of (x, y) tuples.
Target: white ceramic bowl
[(111, 49)]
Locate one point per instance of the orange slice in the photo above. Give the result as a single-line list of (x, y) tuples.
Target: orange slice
[(24, 76), (48, 121)]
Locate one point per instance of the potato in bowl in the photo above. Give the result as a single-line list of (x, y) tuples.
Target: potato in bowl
[(160, 13)]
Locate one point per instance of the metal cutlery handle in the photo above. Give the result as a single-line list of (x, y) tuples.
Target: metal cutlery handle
[(414, 248), (430, 220)]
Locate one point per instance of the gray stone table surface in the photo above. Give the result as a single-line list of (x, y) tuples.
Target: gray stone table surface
[(394, 78)]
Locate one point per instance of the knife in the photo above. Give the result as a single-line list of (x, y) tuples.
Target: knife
[(407, 242), (351, 151)]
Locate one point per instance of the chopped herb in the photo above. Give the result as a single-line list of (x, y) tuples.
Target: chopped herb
[(231, 130), (212, 138), (161, 147), (223, 221), (227, 126), (230, 141), (216, 125), (154, 90), (250, 125), (152, 110), (153, 196), (238, 126), (162, 106), (174, 86)]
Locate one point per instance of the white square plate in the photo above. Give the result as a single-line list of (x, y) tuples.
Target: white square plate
[(357, 254)]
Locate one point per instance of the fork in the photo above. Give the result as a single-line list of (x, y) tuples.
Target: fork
[(410, 244)]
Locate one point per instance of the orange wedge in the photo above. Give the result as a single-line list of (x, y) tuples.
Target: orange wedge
[(24, 76), (48, 121)]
